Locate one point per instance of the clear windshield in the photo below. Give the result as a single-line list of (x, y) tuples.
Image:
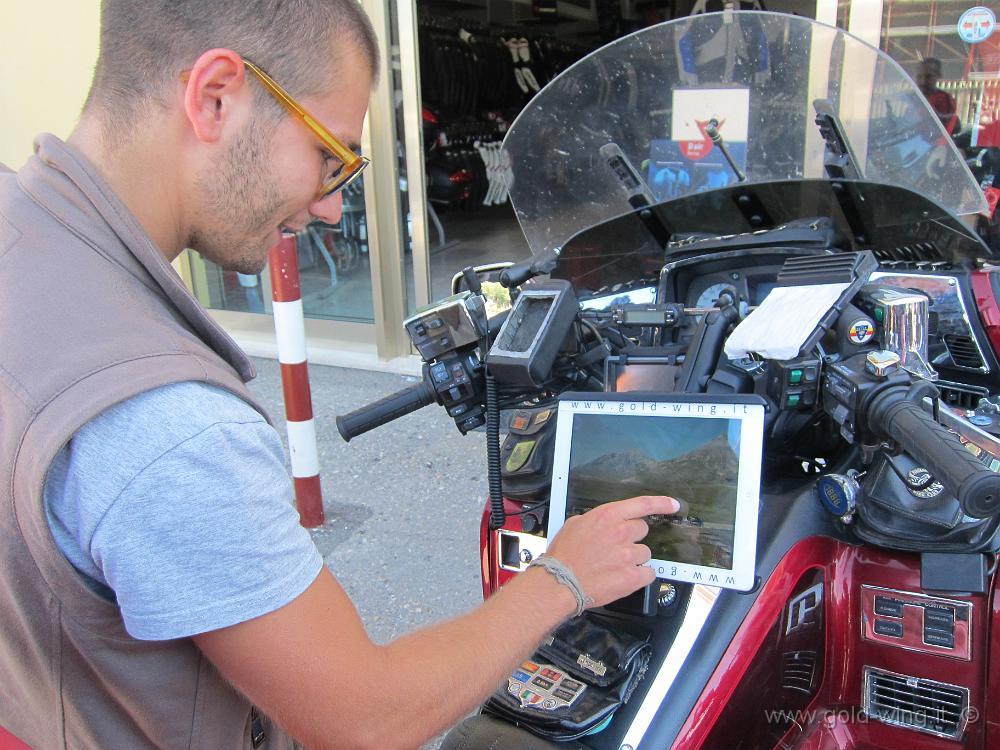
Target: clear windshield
[(630, 124)]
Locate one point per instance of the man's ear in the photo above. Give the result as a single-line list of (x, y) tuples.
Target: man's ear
[(215, 88)]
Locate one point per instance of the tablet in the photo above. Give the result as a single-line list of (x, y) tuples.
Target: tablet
[(704, 451)]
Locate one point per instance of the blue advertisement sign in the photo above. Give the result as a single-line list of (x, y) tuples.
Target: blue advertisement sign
[(673, 171)]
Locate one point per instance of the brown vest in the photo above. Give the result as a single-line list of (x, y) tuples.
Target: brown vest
[(91, 314)]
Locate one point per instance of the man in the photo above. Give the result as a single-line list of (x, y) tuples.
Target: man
[(156, 590), (941, 101)]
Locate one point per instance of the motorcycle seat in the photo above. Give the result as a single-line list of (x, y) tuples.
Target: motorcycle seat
[(482, 732)]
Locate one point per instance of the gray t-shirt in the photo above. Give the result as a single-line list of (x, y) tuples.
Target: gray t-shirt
[(177, 504)]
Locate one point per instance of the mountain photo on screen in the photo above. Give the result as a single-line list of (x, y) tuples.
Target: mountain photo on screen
[(691, 459)]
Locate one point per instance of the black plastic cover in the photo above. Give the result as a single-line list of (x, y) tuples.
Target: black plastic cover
[(941, 571), (533, 333)]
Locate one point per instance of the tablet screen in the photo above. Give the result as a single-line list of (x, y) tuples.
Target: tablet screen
[(703, 453)]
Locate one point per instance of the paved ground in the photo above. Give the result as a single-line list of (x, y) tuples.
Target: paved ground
[(402, 503)]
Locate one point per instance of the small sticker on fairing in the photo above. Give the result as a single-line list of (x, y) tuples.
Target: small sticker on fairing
[(519, 455), (861, 331)]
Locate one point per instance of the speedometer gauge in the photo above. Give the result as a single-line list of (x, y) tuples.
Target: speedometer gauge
[(711, 294)]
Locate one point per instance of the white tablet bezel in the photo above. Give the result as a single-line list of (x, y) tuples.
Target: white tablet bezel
[(750, 412)]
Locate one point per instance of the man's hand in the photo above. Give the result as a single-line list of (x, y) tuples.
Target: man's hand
[(310, 665), (602, 546)]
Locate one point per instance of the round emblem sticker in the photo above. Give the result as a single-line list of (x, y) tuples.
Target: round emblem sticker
[(976, 25), (922, 484), (861, 331)]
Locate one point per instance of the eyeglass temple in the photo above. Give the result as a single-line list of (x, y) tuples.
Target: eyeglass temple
[(342, 152)]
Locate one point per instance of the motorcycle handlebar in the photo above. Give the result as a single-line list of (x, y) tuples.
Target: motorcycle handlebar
[(385, 410), (976, 487)]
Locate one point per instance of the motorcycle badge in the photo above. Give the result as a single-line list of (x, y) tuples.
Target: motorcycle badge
[(593, 665), (861, 331), (543, 687)]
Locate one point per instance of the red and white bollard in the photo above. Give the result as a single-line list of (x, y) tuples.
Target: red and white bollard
[(289, 326)]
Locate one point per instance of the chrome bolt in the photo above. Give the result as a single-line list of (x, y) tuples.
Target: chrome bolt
[(952, 282), (525, 556), (626, 747)]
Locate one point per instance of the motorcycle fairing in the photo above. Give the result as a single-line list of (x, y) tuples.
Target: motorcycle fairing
[(834, 717), (742, 635), (899, 225)]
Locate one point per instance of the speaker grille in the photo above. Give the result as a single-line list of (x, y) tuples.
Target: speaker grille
[(798, 671)]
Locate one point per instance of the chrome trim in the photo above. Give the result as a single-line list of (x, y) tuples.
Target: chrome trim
[(531, 543), (964, 427), (641, 295), (699, 606), (964, 711), (948, 297), (867, 626), (914, 594), (906, 331)]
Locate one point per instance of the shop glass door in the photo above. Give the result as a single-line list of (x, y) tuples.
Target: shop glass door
[(334, 267), (478, 62)]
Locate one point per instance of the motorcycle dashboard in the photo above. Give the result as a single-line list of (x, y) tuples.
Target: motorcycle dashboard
[(748, 286), (747, 276)]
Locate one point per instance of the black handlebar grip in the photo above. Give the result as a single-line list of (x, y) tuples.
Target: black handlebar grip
[(976, 487), (391, 407)]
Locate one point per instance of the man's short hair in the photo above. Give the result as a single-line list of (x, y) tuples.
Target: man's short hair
[(145, 44), (932, 62)]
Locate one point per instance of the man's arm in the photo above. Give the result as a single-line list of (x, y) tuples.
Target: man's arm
[(311, 666)]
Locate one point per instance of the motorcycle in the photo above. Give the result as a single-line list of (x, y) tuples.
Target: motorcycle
[(747, 210)]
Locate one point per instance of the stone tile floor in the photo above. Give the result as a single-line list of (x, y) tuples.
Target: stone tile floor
[(402, 503)]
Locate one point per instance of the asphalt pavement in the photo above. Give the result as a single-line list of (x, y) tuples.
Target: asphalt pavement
[(403, 502)]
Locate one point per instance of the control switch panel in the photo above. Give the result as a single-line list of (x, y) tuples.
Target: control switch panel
[(917, 622)]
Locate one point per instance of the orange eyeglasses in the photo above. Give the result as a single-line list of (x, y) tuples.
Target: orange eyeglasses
[(347, 165)]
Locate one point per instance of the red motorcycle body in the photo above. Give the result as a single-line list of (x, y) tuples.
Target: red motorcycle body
[(793, 674)]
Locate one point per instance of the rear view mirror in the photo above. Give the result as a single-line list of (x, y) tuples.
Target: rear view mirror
[(497, 296)]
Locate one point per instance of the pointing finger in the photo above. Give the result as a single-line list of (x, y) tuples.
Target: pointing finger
[(645, 505)]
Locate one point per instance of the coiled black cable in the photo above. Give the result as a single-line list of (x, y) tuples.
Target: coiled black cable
[(497, 514)]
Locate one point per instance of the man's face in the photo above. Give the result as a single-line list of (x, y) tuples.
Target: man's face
[(928, 77), (267, 176)]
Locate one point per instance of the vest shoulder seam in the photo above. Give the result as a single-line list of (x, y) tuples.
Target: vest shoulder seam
[(16, 388)]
